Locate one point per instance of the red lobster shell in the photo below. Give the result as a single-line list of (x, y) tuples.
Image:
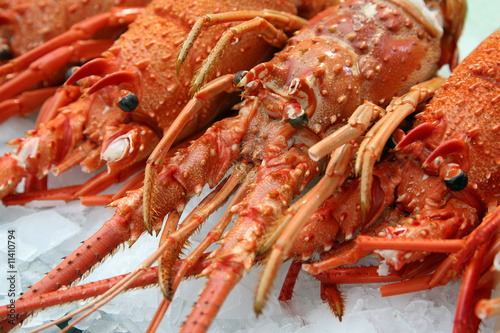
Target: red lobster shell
[(448, 190), (81, 132)]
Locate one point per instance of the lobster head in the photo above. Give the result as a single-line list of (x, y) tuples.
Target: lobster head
[(337, 61), (119, 136)]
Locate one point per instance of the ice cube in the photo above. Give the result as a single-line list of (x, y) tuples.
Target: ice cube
[(51, 230)]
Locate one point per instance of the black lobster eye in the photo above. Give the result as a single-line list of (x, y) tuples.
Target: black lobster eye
[(5, 53), (299, 121), (128, 102), (457, 182), (239, 76), (70, 72)]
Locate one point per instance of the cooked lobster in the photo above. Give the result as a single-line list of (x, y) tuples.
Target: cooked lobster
[(448, 194), (262, 121), (125, 134), (81, 133), (287, 107)]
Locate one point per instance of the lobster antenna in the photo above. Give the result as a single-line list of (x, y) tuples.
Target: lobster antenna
[(206, 207)]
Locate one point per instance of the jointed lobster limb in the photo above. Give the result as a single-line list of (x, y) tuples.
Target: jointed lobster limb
[(297, 106), (445, 152), (159, 93), (267, 103)]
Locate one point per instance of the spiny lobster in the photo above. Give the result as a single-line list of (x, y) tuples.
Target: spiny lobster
[(144, 82), (32, 29), (285, 109), (81, 132), (447, 197)]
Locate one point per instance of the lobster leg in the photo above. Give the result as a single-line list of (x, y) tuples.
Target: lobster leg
[(345, 254), (482, 234), (234, 128), (264, 22), (410, 244), (96, 184), (331, 295), (371, 148), (47, 65), (465, 307), (437, 272), (290, 279), (297, 217), (283, 173), (356, 126), (193, 258), (356, 275), (25, 305), (192, 222), (125, 225), (82, 30), (213, 236), (24, 104), (282, 19)]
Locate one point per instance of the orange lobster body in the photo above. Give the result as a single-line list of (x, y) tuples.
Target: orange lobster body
[(142, 60), (448, 190), (327, 84), (367, 41), (472, 89)]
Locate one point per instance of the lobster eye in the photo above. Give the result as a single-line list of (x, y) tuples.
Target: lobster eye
[(299, 121), (70, 72), (457, 182), (5, 53), (128, 101), (239, 76)]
